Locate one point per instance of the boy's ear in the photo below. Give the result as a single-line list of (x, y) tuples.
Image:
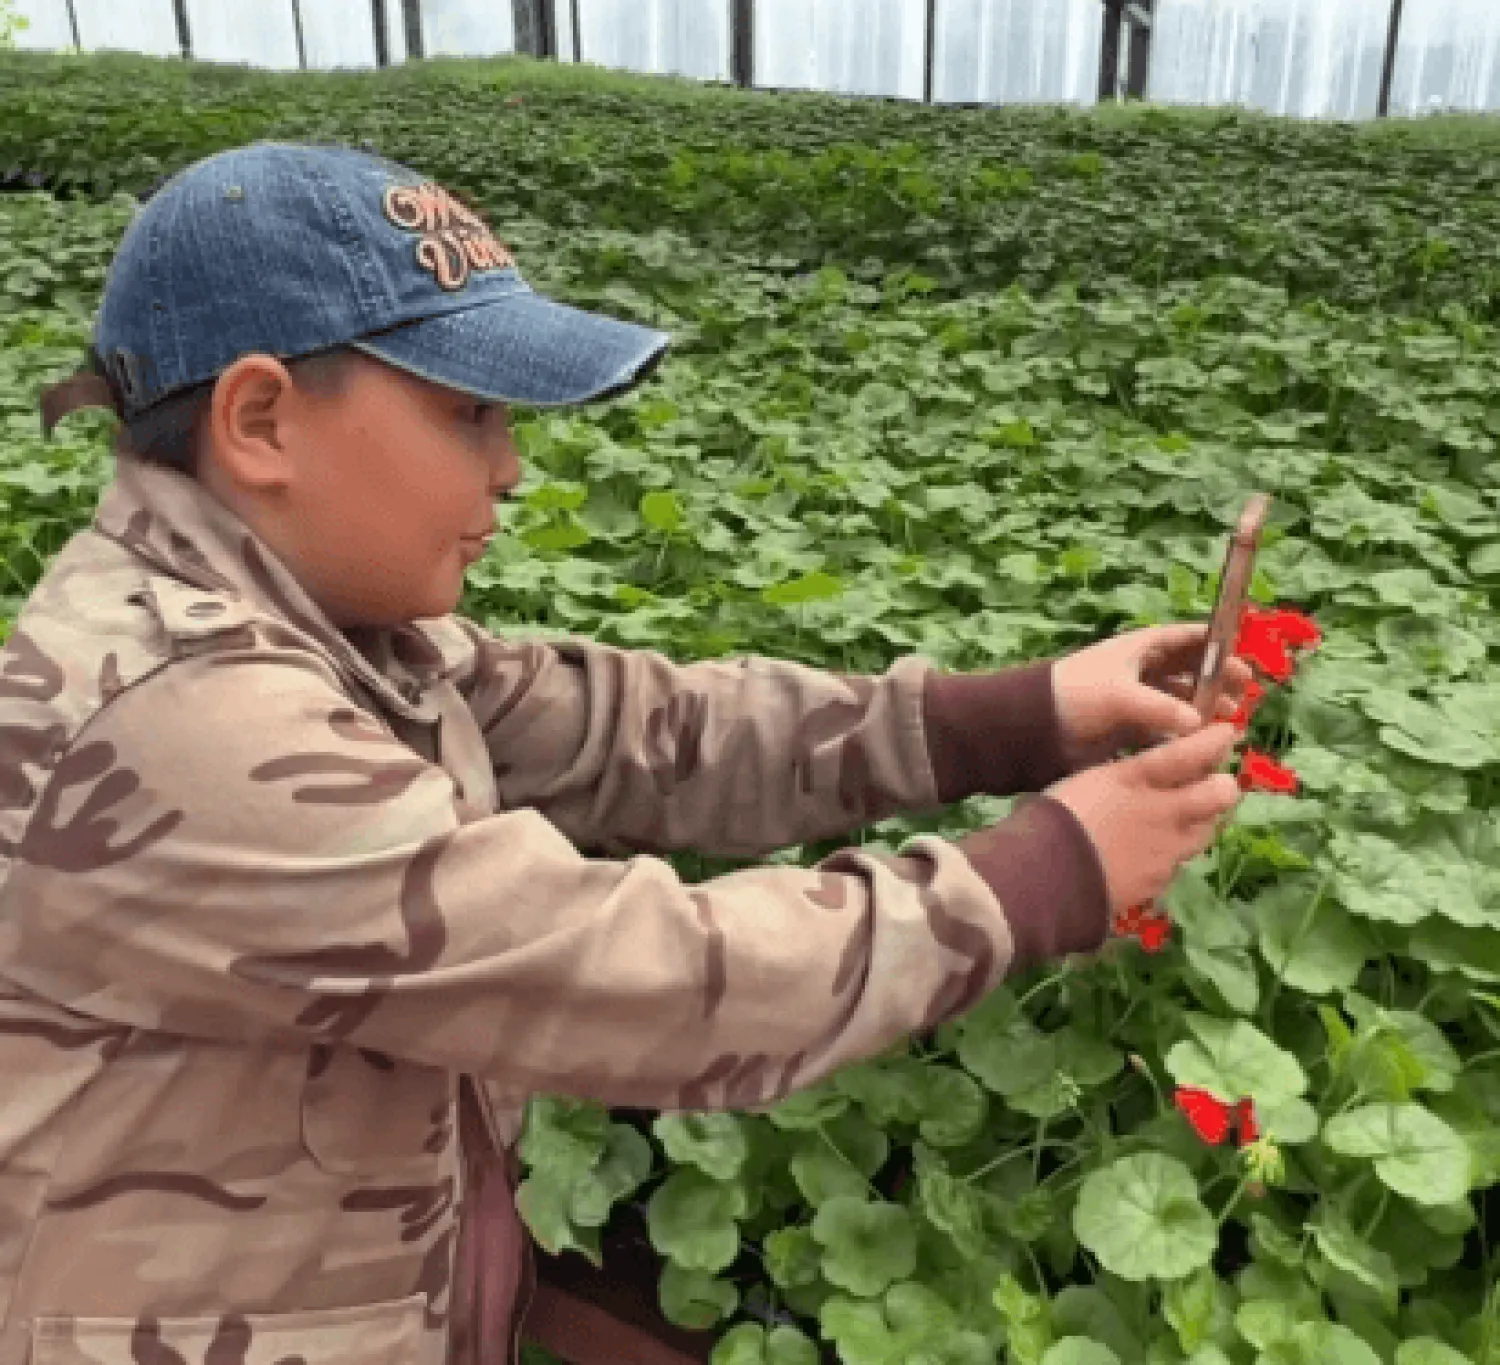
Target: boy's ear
[(247, 421)]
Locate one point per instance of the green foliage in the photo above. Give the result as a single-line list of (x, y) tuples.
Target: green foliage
[(11, 23), (984, 386)]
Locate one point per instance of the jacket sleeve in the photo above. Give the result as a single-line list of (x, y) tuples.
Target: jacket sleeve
[(625, 751), (233, 850)]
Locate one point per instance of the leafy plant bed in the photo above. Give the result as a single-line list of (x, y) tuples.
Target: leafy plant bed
[(878, 434)]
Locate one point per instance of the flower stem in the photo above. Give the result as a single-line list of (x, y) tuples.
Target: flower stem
[(1233, 1200)]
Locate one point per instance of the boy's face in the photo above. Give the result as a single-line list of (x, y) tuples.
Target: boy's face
[(374, 495)]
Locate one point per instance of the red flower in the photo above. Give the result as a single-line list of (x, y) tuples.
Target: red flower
[(1299, 631), (1244, 1114), (1154, 931), (1253, 693), (1261, 645), (1141, 922), (1209, 1116), (1212, 1119), (1261, 772), (1265, 636)]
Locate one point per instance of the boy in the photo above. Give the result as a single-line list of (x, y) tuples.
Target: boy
[(295, 916)]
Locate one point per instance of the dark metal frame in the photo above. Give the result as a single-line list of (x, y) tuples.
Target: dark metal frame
[(1109, 50), (297, 28), (411, 19), (382, 47), (73, 23), (742, 42), (1388, 70), (184, 33), (931, 42), (1140, 15)]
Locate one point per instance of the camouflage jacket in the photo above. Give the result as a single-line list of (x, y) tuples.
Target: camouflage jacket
[(295, 919)]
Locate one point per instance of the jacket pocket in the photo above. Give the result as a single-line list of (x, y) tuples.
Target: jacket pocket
[(388, 1333), (366, 1114)]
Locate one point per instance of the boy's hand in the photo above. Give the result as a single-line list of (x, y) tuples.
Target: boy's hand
[(1149, 814), (1136, 689)]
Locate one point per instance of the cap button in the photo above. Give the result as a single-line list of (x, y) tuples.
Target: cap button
[(202, 609)]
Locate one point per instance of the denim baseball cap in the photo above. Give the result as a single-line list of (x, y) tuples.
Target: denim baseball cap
[(289, 249)]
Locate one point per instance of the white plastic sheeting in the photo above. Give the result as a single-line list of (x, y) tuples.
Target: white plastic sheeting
[(859, 47), (1309, 58), (336, 32), (1449, 56), (680, 37), (1314, 58), (466, 28), (262, 35), (133, 25), (1016, 51)]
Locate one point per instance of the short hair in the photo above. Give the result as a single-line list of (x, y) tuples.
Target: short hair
[(169, 433)]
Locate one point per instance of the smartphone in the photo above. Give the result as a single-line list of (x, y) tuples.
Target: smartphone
[(1229, 604)]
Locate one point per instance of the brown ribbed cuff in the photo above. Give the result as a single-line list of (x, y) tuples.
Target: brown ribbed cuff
[(993, 734), (1045, 872)]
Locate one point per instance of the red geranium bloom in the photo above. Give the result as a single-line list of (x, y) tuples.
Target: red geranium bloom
[(1299, 631), (1141, 922), (1265, 636), (1260, 644), (1153, 932), (1261, 772), (1212, 1119), (1209, 1116), (1244, 1115), (1253, 693)]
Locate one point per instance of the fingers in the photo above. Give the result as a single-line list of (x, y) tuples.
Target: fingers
[(1204, 803), (1189, 758)]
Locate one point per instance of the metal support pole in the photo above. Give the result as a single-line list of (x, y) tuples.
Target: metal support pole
[(523, 17), (1138, 68), (577, 35), (536, 27), (411, 15), (297, 27), (1109, 50), (742, 42), (73, 24), (184, 34), (931, 42), (382, 47), (1392, 39)]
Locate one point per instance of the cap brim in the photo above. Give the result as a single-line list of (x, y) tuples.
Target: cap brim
[(524, 348)]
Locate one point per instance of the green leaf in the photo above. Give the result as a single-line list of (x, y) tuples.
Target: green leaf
[(812, 587), (793, 1256), (1313, 946), (1233, 1060), (691, 1220), (661, 511), (1141, 1216), (822, 1174), (1429, 1351), (695, 1299), (748, 1343), (867, 1246), (1197, 1308), (1079, 1351), (622, 1168), (715, 1143), (1351, 1253), (1416, 1154)]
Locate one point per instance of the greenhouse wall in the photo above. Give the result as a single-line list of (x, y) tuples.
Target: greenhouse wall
[(1306, 58)]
